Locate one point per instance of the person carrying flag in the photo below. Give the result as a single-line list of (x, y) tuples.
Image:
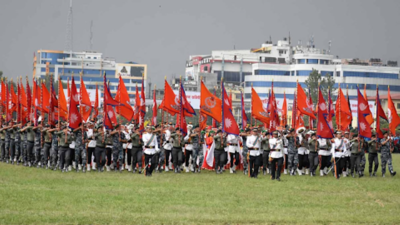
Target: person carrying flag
[(293, 158), (233, 149), (136, 149), (100, 151), (219, 151), (265, 152), (373, 155), (177, 154), (2, 143), (30, 138), (356, 146), (80, 150), (46, 147), (117, 150), (338, 149), (386, 154), (198, 141), (313, 156), (276, 156), (149, 139)]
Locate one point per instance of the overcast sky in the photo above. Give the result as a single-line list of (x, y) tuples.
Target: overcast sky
[(162, 34)]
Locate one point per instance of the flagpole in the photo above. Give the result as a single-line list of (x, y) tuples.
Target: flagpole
[(340, 114), (316, 143), (80, 103), (201, 81), (180, 106), (251, 117), (41, 111), (347, 93)]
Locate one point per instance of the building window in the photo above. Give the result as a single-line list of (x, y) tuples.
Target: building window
[(312, 61), (269, 59), (301, 61), (272, 72), (303, 72), (398, 105), (323, 73), (370, 74), (338, 73)]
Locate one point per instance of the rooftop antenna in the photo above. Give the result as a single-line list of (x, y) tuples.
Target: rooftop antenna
[(69, 39), (329, 49), (91, 35), (289, 37)]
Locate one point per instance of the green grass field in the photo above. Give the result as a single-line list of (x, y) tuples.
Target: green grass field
[(38, 196)]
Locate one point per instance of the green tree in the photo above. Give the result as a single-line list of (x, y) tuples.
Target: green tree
[(326, 83)]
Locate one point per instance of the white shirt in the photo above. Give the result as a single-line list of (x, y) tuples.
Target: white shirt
[(285, 144), (188, 147), (252, 143), (146, 137), (92, 143), (127, 138), (72, 145), (336, 145), (301, 150), (167, 146), (275, 143), (347, 153), (233, 141), (323, 143)]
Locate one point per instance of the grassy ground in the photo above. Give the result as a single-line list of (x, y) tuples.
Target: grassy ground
[(37, 196)]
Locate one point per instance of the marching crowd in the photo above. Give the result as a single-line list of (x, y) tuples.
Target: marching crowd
[(166, 148)]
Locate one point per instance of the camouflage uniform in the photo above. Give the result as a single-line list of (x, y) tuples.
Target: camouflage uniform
[(7, 146), (198, 151), (22, 145), (37, 147), (17, 144), (386, 157), (117, 151), (46, 148), (54, 151), (2, 148), (11, 131), (293, 158), (80, 150), (244, 154)]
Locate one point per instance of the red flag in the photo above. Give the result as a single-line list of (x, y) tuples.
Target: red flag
[(74, 118), (53, 105), (343, 112), (28, 99), (170, 102), (3, 96), (14, 99), (68, 90), (107, 121), (203, 121), (187, 108), (348, 101), (46, 99), (62, 102), (393, 117), (369, 117), (244, 116), (379, 114), (323, 128), (284, 111), (229, 124), (137, 106), (303, 103), (230, 100), (257, 109), (19, 116), (8, 107), (111, 114), (299, 121), (210, 104), (364, 129), (181, 116), (96, 103), (24, 101), (142, 110), (154, 120), (86, 104), (294, 110), (122, 96), (273, 111)]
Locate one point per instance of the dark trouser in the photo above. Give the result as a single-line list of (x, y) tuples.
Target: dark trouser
[(137, 153), (236, 157), (37, 149), (254, 162), (355, 160), (150, 162), (100, 157), (129, 156), (313, 159), (265, 160), (31, 156), (347, 163), (12, 149), (302, 161), (188, 153), (18, 148), (306, 161), (91, 152), (3, 150), (7, 149), (54, 154), (177, 157), (168, 153), (46, 153), (108, 155), (325, 161), (279, 162), (219, 156), (65, 157), (339, 166), (373, 158), (80, 155), (286, 160), (118, 156)]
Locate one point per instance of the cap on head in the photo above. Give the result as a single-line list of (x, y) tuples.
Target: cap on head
[(219, 131)]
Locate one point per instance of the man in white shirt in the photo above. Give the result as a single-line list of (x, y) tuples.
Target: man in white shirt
[(276, 155), (325, 154), (253, 144), (150, 149), (346, 155), (125, 146), (168, 141), (91, 147), (338, 149), (233, 149)]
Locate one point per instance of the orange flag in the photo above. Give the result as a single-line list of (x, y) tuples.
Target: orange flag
[(170, 102), (393, 117), (24, 100), (343, 112), (303, 103), (122, 97), (284, 111), (210, 105), (14, 99), (86, 104), (62, 101), (46, 98), (257, 109), (369, 117)]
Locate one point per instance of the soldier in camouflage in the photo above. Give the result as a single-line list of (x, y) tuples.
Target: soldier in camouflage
[(117, 151), (245, 150), (80, 150), (30, 136), (386, 156), (54, 150), (18, 154), (2, 143), (46, 147), (293, 158), (37, 146)]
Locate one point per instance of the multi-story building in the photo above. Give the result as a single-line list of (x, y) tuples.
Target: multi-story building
[(92, 65)]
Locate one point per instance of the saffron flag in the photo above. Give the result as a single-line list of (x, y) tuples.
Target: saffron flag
[(122, 96), (229, 124), (96, 103), (294, 110), (181, 117), (348, 101), (3, 96), (323, 128), (154, 119), (343, 112), (393, 117), (379, 114), (74, 117), (364, 129), (369, 117), (14, 99), (203, 121), (170, 102), (86, 104), (62, 102), (29, 99), (244, 116), (45, 99), (210, 104), (257, 109), (303, 103)]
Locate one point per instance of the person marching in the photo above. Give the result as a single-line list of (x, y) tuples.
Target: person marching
[(150, 149), (46, 146), (177, 155), (245, 150), (54, 149), (80, 150), (100, 151), (167, 147), (189, 146), (117, 152), (347, 155), (386, 156), (65, 138), (339, 147), (2, 143), (303, 147), (285, 150), (18, 150), (30, 137), (356, 146), (276, 156), (293, 158), (313, 156), (265, 152), (373, 146), (253, 143), (325, 155), (219, 151), (38, 141), (233, 149), (109, 149), (91, 148), (198, 141), (136, 150)]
